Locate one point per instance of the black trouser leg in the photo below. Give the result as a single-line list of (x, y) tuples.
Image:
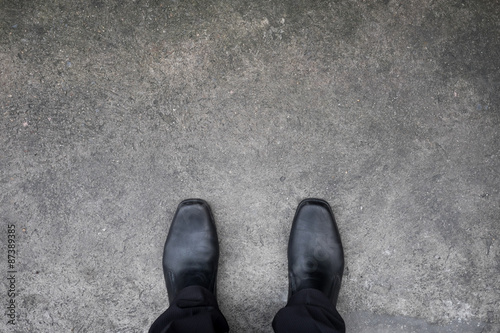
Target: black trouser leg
[(193, 310), (310, 311)]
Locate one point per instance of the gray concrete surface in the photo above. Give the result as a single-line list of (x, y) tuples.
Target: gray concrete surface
[(112, 112)]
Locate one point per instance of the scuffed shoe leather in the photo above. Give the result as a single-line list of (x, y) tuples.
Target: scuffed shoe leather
[(315, 253), (191, 252)]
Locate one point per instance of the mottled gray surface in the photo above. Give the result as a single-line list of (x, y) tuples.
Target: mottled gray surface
[(112, 112)]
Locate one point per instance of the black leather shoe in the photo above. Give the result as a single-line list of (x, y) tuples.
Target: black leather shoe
[(315, 253), (191, 253)]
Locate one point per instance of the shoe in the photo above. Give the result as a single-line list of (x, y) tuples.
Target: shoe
[(315, 253), (191, 253)]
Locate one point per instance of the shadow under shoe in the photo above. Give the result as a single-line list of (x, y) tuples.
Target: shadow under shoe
[(315, 253), (191, 252)]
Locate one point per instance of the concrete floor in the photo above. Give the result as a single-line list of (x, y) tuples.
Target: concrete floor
[(112, 112)]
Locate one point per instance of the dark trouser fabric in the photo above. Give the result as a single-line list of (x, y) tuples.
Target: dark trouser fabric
[(195, 310), (309, 311)]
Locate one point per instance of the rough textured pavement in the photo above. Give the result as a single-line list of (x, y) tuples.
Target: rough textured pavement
[(112, 112)]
